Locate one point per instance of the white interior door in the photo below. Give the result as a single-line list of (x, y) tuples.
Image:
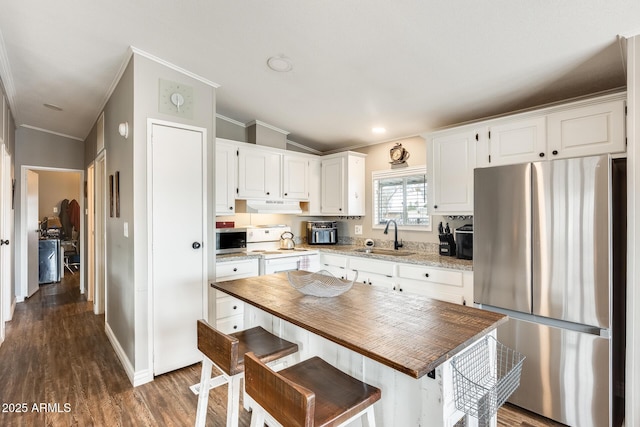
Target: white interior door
[(33, 237), (5, 240), (90, 234), (178, 218), (99, 245)]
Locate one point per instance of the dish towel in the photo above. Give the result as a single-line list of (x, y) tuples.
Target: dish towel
[(303, 263)]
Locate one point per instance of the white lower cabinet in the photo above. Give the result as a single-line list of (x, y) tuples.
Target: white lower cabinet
[(441, 284), (229, 311), (438, 283), (373, 272), (336, 265)]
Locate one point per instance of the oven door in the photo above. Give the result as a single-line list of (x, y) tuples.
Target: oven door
[(279, 265)]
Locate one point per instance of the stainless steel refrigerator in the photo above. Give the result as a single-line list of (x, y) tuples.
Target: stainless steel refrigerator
[(548, 243)]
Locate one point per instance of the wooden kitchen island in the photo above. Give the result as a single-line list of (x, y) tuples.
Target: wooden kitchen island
[(395, 341)]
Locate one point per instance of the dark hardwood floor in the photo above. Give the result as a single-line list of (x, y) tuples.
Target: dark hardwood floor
[(57, 368)]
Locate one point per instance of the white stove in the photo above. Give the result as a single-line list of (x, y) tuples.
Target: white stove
[(265, 241)]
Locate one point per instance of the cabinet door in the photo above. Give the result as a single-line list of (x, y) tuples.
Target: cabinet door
[(355, 186), (295, 178), (453, 158), (518, 141), (586, 131), (333, 186), (315, 187), (226, 175), (258, 174)]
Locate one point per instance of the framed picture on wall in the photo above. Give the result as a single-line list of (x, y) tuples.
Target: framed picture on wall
[(117, 194), (111, 195)]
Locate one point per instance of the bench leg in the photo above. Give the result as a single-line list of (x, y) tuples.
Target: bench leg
[(369, 417), (203, 396)]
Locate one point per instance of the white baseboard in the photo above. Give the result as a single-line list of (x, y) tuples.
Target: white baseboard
[(137, 378), (12, 309)]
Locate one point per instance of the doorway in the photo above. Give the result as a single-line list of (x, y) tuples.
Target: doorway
[(43, 191)]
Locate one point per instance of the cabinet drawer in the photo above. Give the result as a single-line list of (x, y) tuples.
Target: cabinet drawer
[(366, 265), (430, 274), (333, 260), (236, 269), (232, 324), (228, 306)]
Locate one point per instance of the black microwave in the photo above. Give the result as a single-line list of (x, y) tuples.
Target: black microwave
[(231, 240)]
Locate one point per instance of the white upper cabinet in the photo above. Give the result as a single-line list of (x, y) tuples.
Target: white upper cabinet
[(315, 187), (226, 175), (343, 184), (588, 130), (517, 141), (452, 158), (295, 177), (582, 128), (259, 174)]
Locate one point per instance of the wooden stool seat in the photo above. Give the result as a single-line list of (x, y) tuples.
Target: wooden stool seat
[(310, 393), (227, 353)]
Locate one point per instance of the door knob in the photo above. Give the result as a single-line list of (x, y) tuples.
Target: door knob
[(196, 245), (4, 242)]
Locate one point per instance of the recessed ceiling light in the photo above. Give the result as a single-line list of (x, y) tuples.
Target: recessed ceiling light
[(280, 63), (378, 130), (53, 107)]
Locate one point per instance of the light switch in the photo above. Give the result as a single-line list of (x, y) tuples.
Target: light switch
[(55, 209), (126, 229)]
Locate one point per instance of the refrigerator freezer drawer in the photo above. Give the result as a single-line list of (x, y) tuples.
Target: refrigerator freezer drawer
[(565, 375)]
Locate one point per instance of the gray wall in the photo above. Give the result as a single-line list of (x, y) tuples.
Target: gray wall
[(39, 149), (228, 130), (54, 187), (135, 100)]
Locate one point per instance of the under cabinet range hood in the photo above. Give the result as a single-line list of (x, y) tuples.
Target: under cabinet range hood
[(269, 206)]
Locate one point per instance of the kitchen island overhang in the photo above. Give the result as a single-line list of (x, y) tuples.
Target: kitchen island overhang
[(407, 334)]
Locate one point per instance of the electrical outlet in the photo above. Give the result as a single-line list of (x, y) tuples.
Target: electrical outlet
[(358, 230), (55, 209)]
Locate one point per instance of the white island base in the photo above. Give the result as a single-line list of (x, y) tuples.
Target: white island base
[(405, 402)]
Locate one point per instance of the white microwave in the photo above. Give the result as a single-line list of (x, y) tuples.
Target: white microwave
[(231, 240)]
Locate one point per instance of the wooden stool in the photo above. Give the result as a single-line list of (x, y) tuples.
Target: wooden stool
[(227, 353), (310, 393)]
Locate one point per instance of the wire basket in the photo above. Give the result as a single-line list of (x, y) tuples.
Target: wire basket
[(319, 284), (484, 377)]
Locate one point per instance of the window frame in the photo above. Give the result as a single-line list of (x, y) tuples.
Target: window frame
[(399, 173)]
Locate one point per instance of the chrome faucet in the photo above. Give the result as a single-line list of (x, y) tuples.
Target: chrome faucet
[(396, 245)]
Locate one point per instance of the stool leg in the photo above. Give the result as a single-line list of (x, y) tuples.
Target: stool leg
[(233, 401), (370, 419), (203, 396), (257, 416)]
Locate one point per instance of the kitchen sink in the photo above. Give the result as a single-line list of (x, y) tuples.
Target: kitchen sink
[(384, 252)]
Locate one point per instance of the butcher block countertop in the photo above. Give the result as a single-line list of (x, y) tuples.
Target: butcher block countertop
[(409, 333)]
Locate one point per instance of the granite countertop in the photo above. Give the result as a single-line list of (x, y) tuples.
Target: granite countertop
[(411, 335), (420, 257)]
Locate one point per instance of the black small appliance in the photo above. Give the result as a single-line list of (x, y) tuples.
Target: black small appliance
[(322, 232), (464, 241)]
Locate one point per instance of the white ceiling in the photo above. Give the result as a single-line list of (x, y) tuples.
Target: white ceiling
[(408, 65)]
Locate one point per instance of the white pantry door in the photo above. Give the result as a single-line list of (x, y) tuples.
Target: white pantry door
[(178, 212)]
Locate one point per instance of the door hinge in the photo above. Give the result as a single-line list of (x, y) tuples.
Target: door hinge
[(237, 191), (489, 158), (625, 110), (477, 138), (238, 152), (489, 134)]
